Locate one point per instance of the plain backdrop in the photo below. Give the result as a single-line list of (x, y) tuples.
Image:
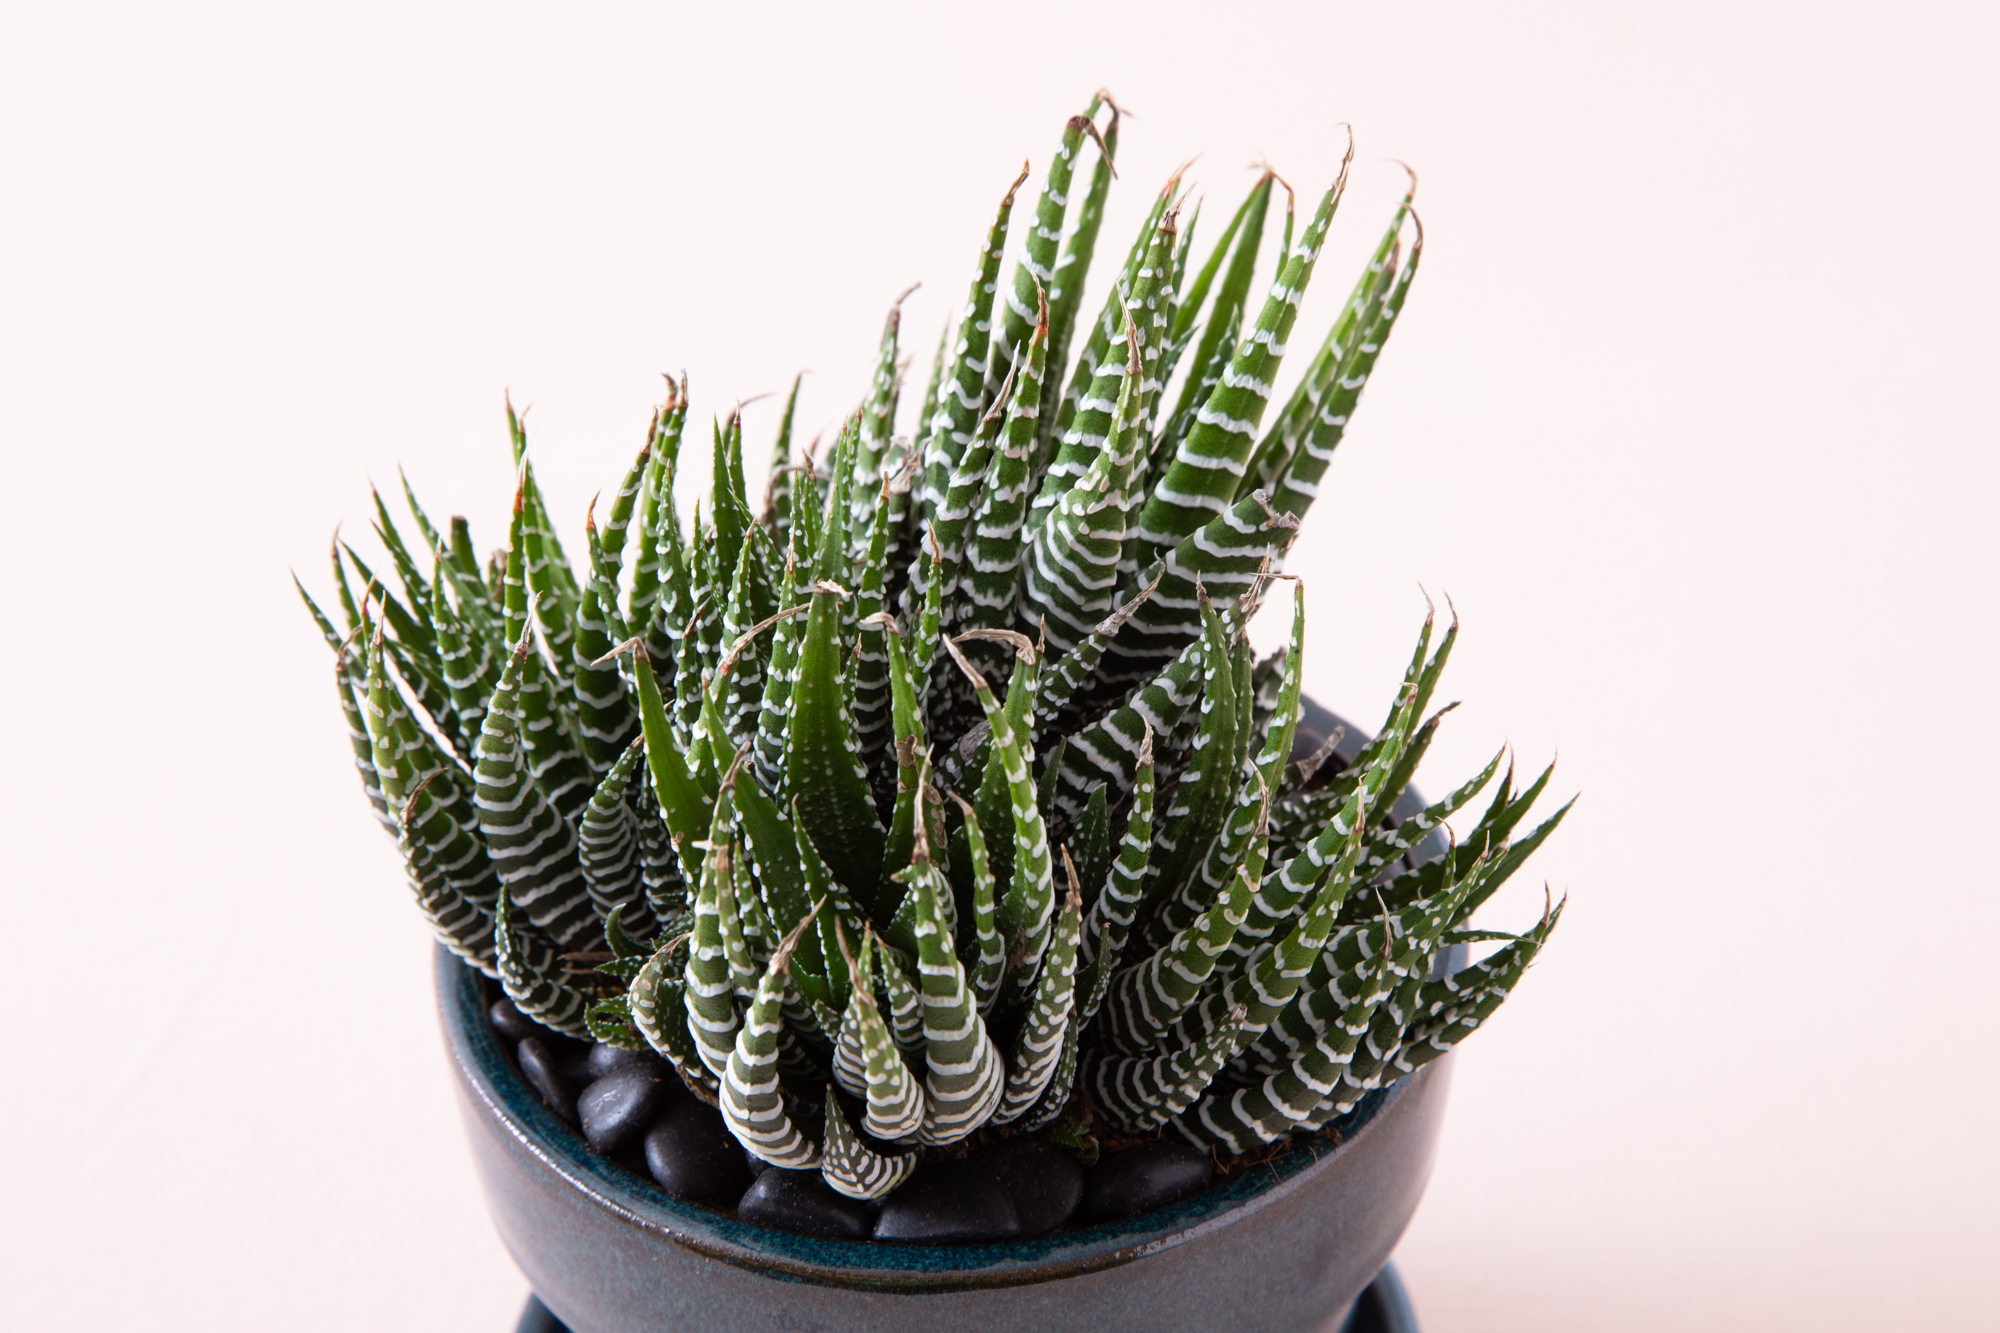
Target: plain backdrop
[(1691, 413)]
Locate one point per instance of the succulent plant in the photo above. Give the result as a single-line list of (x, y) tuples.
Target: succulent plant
[(945, 792)]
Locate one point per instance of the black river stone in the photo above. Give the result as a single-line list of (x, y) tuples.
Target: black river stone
[(603, 1059), (543, 1073), (617, 1109), (1145, 1177), (949, 1201), (511, 1023), (803, 1202), (569, 1053), (1045, 1183), (692, 1154)]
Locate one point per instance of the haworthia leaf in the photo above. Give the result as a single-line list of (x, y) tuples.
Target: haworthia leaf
[(753, 1104), (989, 575), (869, 699), (963, 1074), (1107, 750), (656, 514), (1299, 485), (1451, 1009), (823, 768), (1245, 233), (534, 979), (962, 394), (1092, 400), (1141, 1092), (1111, 916), (778, 508), (906, 1001), (608, 847), (610, 1024), (533, 848), (1029, 904), (1066, 287), (469, 666), (1071, 574), (1244, 835), (1201, 481), (851, 1168), (868, 1065), (606, 722), (1035, 272), (1039, 1046), (710, 977), (985, 952), (1145, 999), (877, 421), (1207, 789)]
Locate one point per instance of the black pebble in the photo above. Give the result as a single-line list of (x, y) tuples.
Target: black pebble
[(511, 1023), (543, 1072), (1143, 1178), (572, 1057), (1045, 1183), (949, 1201), (616, 1109), (801, 1201), (757, 1166), (569, 1053), (692, 1154), (603, 1059)]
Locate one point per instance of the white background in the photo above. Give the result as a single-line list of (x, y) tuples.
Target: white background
[(1692, 413)]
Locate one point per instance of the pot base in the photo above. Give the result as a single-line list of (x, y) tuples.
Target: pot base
[(1383, 1308)]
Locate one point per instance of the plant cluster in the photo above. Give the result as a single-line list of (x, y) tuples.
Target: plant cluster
[(945, 792)]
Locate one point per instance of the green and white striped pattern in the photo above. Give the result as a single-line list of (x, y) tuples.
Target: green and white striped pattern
[(710, 977), (1072, 569), (533, 976), (1040, 1043), (1146, 999), (1024, 913), (1118, 904), (1201, 480), (1451, 1008), (608, 848), (1066, 289), (852, 1168), (985, 950), (1140, 1093), (962, 392), (533, 847), (988, 579), (753, 1104), (1026, 306), (867, 1064), (1132, 315), (1325, 1031), (904, 998), (963, 1073), (659, 1010), (764, 756)]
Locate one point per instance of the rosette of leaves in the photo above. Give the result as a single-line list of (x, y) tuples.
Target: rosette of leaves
[(940, 790)]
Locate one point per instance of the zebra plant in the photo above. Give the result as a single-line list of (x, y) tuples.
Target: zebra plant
[(944, 793)]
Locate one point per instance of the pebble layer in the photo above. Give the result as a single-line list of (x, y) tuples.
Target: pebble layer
[(631, 1106)]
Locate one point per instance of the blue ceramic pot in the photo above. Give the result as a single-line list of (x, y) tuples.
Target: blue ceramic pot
[(1281, 1248)]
